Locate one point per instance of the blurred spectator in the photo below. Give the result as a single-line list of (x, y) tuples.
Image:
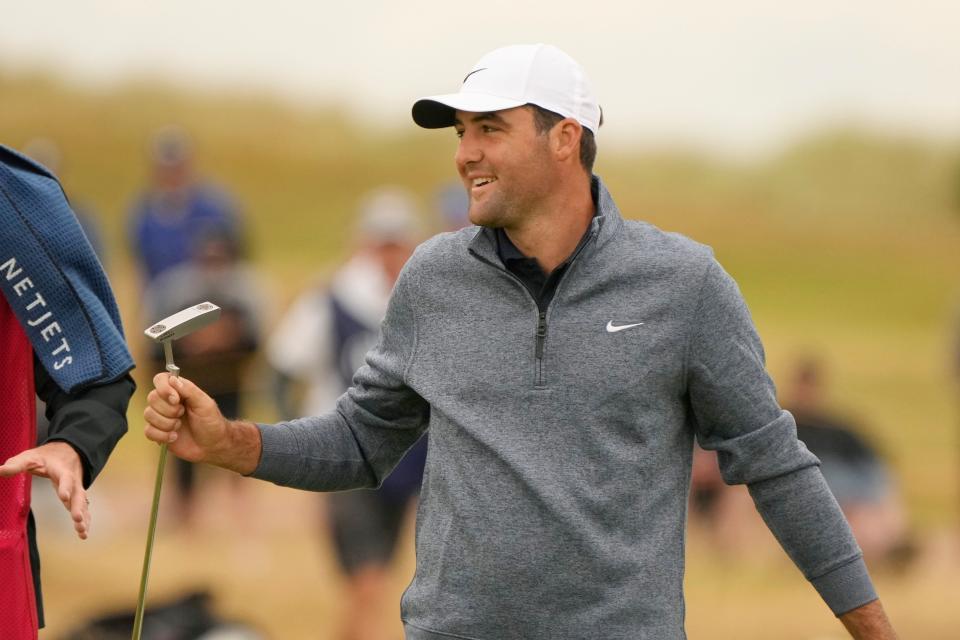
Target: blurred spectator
[(187, 238), (854, 470), (218, 355), (47, 152), (706, 486), (176, 207), (321, 341), (856, 473), (726, 512), (452, 205)]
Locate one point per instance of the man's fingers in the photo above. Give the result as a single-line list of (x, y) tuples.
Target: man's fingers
[(79, 511), (59, 462), (172, 388), (26, 461), (172, 393), (161, 384), (159, 436), (11, 468), (187, 390), (83, 528), (65, 493), (74, 500), (163, 406), (163, 423)]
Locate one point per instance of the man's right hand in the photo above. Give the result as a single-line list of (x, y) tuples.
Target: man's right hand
[(179, 413)]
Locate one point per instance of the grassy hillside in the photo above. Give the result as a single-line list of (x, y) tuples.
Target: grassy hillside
[(846, 244)]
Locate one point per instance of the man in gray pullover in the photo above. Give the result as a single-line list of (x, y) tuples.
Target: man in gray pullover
[(562, 360)]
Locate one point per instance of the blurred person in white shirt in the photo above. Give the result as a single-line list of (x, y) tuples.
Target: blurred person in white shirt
[(320, 343)]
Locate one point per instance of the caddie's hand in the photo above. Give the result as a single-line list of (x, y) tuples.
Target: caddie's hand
[(180, 413), (59, 462)]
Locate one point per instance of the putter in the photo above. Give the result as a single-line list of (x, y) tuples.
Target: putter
[(165, 332)]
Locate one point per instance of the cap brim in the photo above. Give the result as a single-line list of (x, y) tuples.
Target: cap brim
[(436, 112)]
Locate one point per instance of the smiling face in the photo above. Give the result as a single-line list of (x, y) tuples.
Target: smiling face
[(505, 164)]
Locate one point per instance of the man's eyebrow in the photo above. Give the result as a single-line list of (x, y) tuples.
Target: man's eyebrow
[(487, 116)]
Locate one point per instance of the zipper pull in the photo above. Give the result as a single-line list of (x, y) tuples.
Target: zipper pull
[(541, 333)]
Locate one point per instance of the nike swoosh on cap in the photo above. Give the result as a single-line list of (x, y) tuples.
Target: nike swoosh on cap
[(473, 72), (613, 328)]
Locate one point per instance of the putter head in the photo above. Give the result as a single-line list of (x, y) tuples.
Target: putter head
[(183, 322)]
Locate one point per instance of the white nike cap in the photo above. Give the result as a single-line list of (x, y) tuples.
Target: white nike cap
[(511, 77)]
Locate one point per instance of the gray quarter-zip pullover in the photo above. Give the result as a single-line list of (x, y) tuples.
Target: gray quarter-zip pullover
[(554, 498)]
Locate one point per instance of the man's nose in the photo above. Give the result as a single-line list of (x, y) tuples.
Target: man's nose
[(468, 151)]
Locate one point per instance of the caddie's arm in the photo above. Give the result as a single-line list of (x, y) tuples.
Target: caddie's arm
[(84, 427), (91, 420)]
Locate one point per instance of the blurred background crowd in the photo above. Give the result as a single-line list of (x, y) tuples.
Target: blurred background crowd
[(296, 215)]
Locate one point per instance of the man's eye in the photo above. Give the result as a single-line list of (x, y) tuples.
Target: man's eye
[(459, 133), (488, 129)]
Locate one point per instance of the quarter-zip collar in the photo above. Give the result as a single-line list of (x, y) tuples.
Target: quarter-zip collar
[(542, 285)]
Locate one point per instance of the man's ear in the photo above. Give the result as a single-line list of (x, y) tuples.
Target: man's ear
[(565, 139)]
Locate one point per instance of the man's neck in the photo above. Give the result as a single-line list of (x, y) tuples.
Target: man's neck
[(551, 234)]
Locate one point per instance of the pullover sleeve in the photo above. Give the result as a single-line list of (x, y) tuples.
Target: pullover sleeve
[(374, 423), (736, 414), (91, 420)]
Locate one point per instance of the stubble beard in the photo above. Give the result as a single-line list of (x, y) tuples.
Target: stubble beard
[(493, 213), (507, 208), (511, 203)]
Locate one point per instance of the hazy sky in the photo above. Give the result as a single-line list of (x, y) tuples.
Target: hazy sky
[(726, 74)]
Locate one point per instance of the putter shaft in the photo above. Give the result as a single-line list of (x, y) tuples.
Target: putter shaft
[(174, 371)]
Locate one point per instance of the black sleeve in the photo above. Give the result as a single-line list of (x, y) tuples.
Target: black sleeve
[(91, 420)]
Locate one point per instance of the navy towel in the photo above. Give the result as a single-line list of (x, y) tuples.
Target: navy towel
[(53, 280)]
